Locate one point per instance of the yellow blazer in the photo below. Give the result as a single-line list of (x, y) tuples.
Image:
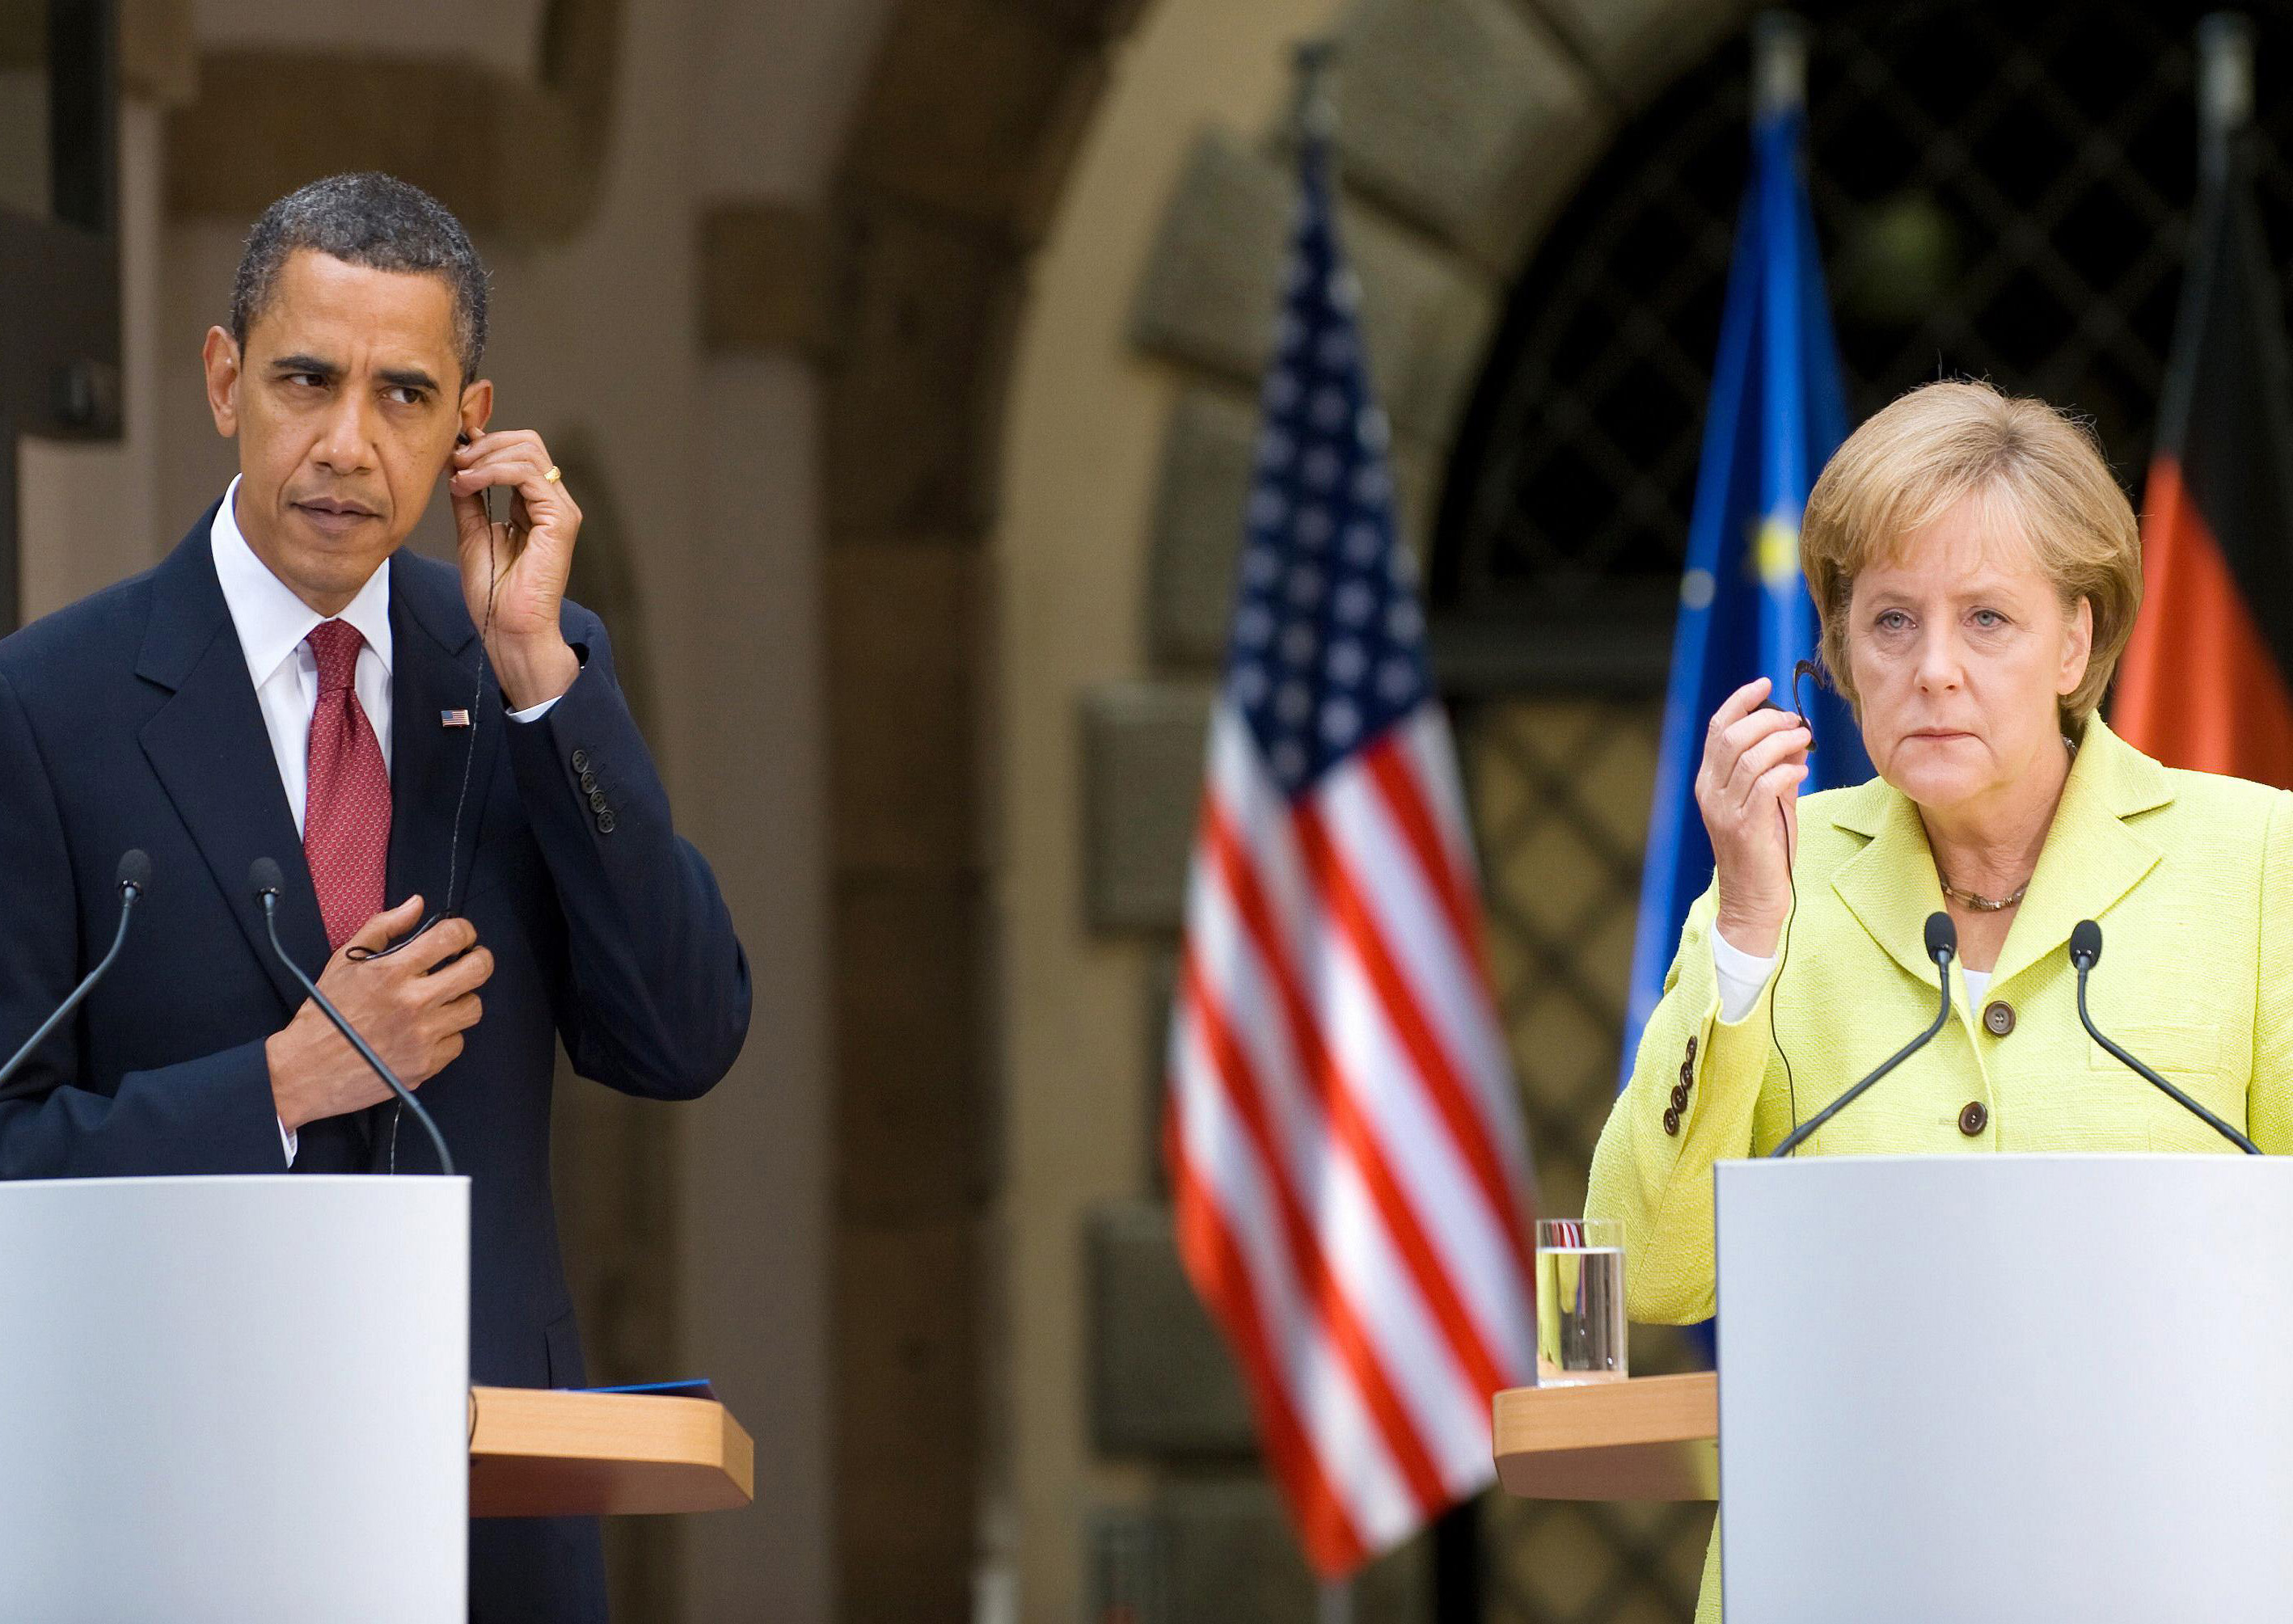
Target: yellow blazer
[(2190, 875)]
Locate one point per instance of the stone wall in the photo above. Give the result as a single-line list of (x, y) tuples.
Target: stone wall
[(960, 142)]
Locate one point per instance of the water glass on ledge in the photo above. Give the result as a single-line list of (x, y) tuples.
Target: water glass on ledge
[(1580, 1301)]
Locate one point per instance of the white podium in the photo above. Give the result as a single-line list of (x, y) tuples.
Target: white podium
[(2007, 1387), (234, 1399)]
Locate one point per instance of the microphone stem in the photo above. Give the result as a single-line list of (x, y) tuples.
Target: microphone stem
[(2148, 1076), (1805, 1130), (127, 898), (350, 1033)]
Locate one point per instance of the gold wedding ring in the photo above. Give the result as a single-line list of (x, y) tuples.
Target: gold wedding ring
[(552, 475)]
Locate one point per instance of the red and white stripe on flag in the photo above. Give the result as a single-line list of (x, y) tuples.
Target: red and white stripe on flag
[(1351, 1177)]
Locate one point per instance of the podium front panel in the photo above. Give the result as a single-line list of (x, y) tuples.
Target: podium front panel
[(2007, 1387), (234, 1399)]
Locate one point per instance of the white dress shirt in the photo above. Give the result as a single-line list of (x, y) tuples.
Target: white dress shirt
[(272, 624)]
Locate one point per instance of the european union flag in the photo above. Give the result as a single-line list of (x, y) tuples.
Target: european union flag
[(1778, 412)]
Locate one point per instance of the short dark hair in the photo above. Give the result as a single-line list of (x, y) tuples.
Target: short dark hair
[(372, 219)]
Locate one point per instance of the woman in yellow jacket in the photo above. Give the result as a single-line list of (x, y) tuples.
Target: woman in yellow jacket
[(1976, 570)]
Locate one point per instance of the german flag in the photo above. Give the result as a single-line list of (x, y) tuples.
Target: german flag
[(2207, 680)]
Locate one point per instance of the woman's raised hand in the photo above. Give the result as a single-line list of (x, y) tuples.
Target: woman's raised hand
[(1755, 761)]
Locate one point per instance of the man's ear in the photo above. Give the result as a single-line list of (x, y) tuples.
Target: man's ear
[(475, 410), (221, 360)]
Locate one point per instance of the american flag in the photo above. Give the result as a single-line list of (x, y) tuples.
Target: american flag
[(1351, 1179)]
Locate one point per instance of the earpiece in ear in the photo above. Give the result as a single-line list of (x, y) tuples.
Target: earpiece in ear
[(1821, 678), (462, 439)]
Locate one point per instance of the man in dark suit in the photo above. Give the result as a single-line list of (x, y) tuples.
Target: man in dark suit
[(422, 749)]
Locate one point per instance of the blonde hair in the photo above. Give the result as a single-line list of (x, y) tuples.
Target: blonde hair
[(1940, 443)]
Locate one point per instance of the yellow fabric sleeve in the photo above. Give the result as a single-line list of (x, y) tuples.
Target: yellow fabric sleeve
[(1660, 1182)]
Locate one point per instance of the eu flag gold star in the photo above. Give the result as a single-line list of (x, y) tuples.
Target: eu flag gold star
[(1776, 549)]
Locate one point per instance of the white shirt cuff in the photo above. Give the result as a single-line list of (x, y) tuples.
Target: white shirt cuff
[(289, 1141), (535, 713), (1741, 976)]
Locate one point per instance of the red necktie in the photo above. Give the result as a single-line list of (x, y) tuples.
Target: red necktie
[(346, 809)]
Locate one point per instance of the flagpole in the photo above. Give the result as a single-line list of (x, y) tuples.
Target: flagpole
[(1454, 1579), (2225, 84), (1313, 108), (1779, 63), (1313, 122)]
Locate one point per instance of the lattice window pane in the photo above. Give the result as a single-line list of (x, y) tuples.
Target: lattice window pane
[(2000, 191)]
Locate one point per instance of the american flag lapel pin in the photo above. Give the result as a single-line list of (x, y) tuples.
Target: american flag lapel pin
[(453, 718)]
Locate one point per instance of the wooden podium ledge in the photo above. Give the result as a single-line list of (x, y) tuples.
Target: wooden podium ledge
[(536, 1453), (1655, 1438)]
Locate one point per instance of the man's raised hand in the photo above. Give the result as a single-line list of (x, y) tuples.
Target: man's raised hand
[(522, 565)]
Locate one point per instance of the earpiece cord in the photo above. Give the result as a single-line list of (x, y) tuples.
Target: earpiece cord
[(360, 955), (1806, 667), (1783, 957), (477, 706)]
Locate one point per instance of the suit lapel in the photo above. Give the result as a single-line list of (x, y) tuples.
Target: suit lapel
[(1889, 885), (212, 754), (436, 668), (2091, 858)]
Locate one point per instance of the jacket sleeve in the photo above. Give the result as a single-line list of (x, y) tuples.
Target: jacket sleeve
[(656, 999), (1659, 1181), (2269, 1100), (214, 1114)]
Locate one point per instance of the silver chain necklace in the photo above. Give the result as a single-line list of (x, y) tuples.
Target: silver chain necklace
[(1975, 900)]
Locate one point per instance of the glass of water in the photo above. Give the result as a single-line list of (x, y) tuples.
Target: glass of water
[(1580, 1301)]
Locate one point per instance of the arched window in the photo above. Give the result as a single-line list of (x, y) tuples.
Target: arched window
[(2000, 192)]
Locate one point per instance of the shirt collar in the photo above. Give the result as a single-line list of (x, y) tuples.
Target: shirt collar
[(270, 620)]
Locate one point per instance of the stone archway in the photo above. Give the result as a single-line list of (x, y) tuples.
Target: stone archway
[(908, 289)]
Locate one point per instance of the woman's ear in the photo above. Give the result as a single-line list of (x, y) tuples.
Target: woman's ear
[(2078, 648)]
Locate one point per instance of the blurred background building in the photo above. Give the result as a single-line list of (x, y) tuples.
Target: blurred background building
[(902, 354)]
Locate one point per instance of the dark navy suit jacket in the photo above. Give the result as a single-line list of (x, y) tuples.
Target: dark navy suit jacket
[(129, 720)]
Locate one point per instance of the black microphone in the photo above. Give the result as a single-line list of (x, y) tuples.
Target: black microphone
[(2085, 952), (1942, 947), (267, 882), (135, 880)]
